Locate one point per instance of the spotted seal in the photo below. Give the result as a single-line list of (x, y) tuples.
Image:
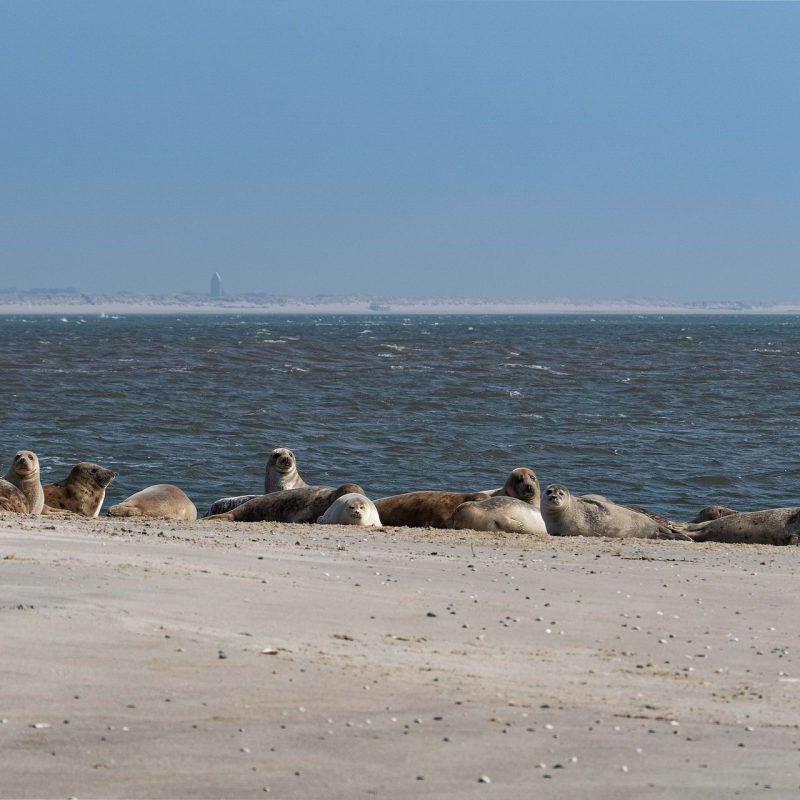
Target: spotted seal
[(163, 500), (82, 491), (24, 474), (351, 509), (713, 512), (779, 526), (12, 499)]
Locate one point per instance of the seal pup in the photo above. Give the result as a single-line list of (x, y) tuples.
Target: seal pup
[(304, 504), (281, 472), (351, 509), (523, 484), (594, 515), (163, 500), (423, 509), (498, 513), (24, 474), (81, 492), (713, 512), (779, 526), (12, 499)]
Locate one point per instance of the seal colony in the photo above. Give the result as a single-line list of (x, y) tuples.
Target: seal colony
[(519, 506)]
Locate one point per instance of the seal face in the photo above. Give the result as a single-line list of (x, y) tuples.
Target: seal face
[(522, 484), (304, 504), (594, 515), (777, 526), (163, 501), (427, 509), (499, 513), (713, 512), (82, 491), (281, 472), (12, 499), (351, 509), (24, 474)]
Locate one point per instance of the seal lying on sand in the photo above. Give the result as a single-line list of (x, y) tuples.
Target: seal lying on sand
[(498, 513), (82, 491), (304, 504), (779, 526), (423, 509), (523, 484), (351, 509), (12, 499), (24, 474), (163, 500), (593, 515), (225, 504), (281, 472), (713, 512)]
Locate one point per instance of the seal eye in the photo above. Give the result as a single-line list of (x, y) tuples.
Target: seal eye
[(94, 471)]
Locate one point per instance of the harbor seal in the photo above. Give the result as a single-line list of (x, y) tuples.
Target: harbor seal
[(82, 491), (163, 500), (351, 509), (304, 504), (498, 513), (594, 515), (713, 512), (779, 526), (423, 509), (225, 504), (522, 484), (24, 474), (12, 499), (281, 472)]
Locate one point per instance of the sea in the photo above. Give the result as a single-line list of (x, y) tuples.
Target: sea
[(669, 412)]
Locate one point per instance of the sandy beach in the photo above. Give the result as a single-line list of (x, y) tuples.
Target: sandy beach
[(153, 659)]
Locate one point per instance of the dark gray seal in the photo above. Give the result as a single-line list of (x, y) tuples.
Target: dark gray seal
[(225, 504), (304, 504)]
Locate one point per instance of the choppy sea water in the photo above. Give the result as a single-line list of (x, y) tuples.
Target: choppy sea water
[(673, 413)]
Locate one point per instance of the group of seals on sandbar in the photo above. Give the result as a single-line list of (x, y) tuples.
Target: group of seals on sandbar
[(517, 507)]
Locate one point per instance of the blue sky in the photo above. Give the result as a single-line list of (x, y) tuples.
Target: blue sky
[(499, 149)]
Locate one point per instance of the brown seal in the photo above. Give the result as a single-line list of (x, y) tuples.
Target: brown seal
[(780, 526), (423, 509), (163, 500), (713, 512), (303, 504), (12, 499), (593, 515), (82, 491), (499, 513), (24, 474), (281, 472), (522, 484)]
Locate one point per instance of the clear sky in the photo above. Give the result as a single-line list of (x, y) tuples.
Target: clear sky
[(499, 149)]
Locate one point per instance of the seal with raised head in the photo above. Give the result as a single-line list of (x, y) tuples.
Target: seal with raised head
[(351, 509), (303, 504), (24, 474), (594, 515), (163, 501), (281, 472), (780, 526), (12, 499), (81, 492), (522, 484), (713, 512), (427, 509), (499, 513)]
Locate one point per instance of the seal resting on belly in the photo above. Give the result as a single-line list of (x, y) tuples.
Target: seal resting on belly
[(163, 500), (351, 509), (780, 526), (423, 509), (499, 513), (81, 492)]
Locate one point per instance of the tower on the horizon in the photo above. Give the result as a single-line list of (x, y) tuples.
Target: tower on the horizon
[(216, 286)]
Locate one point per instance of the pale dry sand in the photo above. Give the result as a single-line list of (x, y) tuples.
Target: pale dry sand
[(399, 664)]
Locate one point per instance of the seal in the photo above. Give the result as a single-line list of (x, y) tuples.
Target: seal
[(163, 500), (498, 513), (24, 474), (225, 504), (281, 472), (423, 509), (351, 509), (82, 491), (594, 515), (304, 504), (779, 526), (713, 512), (12, 499), (522, 484)]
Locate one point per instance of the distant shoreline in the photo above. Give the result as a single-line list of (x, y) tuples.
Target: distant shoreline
[(109, 307)]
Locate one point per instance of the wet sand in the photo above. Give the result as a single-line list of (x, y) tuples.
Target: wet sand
[(230, 660)]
